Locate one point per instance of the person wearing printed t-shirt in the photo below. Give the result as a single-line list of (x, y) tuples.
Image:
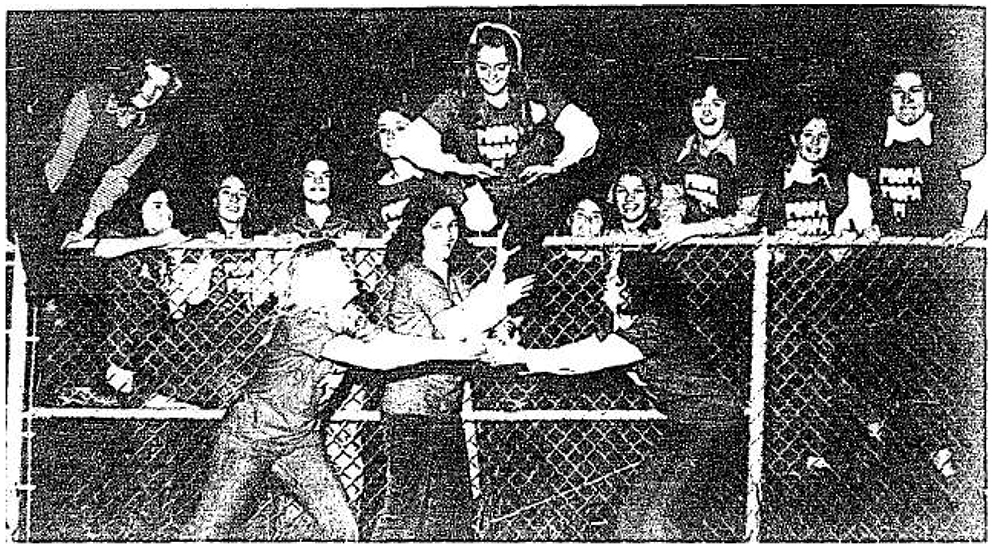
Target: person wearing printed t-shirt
[(320, 334), (714, 171), (506, 128), (808, 195), (695, 476), (914, 169)]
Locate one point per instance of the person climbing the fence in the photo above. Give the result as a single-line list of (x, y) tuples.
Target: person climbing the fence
[(108, 130)]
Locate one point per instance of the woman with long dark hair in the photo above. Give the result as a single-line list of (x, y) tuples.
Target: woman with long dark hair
[(429, 490)]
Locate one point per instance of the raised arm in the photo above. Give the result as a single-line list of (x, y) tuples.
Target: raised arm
[(487, 304)]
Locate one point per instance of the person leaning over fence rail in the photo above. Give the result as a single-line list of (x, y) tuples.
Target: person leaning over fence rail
[(807, 196), (429, 493), (148, 289), (974, 217), (697, 470), (107, 132), (714, 170), (320, 334), (510, 134), (398, 180)]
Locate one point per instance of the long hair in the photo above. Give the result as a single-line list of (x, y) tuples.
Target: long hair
[(125, 216), (407, 244), (494, 35)]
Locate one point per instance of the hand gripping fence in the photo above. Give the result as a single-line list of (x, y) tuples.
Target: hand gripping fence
[(862, 368)]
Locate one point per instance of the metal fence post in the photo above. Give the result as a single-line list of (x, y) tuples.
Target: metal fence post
[(16, 393), (755, 410)]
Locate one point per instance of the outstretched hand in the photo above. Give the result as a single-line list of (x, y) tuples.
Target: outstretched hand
[(477, 170), (534, 172), (671, 236)]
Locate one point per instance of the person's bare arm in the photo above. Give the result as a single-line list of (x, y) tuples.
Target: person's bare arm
[(389, 351)]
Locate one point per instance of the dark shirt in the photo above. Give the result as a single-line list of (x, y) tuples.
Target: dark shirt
[(713, 185), (508, 139), (916, 188), (808, 208)]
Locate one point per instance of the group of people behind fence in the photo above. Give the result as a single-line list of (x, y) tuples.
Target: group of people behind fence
[(488, 157)]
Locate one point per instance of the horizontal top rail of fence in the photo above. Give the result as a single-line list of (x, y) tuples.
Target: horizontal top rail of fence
[(290, 243)]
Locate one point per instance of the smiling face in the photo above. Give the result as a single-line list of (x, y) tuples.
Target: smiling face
[(586, 220), (316, 181), (493, 69), (231, 199), (152, 88), (390, 125), (631, 198), (440, 234), (909, 98), (156, 213), (709, 113), (813, 141)]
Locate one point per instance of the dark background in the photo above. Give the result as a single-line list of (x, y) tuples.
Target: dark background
[(266, 90)]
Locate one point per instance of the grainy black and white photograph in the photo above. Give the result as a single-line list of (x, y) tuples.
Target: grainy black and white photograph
[(585, 273)]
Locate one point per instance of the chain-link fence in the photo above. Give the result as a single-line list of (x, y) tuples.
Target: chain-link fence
[(874, 364), (875, 394)]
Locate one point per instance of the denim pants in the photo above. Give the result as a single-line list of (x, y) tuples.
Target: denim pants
[(236, 485)]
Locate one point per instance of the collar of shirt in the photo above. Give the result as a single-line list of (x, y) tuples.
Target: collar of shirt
[(727, 147), (898, 132)]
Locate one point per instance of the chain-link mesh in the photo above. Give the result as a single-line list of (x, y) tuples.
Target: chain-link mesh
[(890, 336), (875, 395)]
